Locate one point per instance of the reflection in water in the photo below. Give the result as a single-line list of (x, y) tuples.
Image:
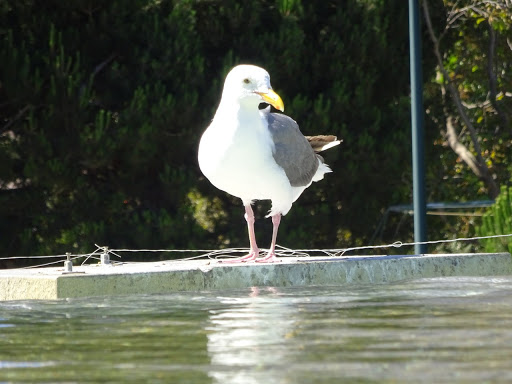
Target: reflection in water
[(445, 330), (433, 330), (245, 336)]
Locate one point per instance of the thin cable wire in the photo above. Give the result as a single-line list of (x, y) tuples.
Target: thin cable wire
[(52, 263), (219, 254), (38, 257), (398, 244)]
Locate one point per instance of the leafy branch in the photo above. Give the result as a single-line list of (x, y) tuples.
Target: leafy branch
[(476, 163)]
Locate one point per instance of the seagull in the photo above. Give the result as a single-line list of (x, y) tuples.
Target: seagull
[(254, 154)]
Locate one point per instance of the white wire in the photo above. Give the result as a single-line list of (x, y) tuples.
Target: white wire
[(39, 257), (227, 252), (52, 263)]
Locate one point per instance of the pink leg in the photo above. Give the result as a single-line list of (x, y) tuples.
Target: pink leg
[(271, 257), (254, 251)]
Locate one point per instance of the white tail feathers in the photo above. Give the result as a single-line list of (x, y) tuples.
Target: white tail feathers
[(321, 171), (330, 145), (322, 142)]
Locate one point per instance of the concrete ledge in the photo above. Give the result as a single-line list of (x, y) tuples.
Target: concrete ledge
[(173, 276)]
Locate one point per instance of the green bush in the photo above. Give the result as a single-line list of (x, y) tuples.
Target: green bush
[(498, 221)]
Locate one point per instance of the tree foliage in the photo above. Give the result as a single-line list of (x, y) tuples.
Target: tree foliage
[(468, 104), (498, 221), (469, 98), (102, 105)]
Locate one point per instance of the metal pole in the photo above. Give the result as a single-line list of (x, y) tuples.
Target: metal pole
[(418, 156)]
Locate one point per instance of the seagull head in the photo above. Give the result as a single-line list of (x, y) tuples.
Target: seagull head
[(249, 84)]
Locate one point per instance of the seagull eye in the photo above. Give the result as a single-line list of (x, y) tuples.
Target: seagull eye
[(247, 81)]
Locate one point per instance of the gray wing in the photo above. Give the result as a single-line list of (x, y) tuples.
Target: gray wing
[(292, 151)]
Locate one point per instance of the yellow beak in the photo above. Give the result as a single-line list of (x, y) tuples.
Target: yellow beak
[(273, 99)]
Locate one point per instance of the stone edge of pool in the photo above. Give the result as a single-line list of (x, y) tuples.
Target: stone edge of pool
[(196, 275)]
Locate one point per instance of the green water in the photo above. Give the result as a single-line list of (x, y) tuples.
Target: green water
[(428, 331)]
